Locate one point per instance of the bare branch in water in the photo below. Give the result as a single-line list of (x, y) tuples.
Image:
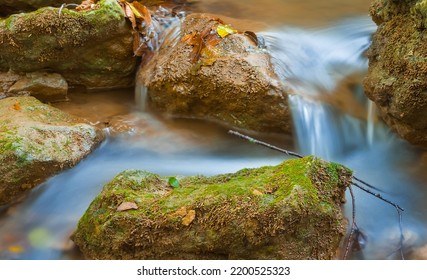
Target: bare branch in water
[(354, 227), (252, 140), (353, 224)]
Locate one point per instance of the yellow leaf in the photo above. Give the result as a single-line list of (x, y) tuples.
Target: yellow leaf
[(257, 192), (224, 30), (210, 55), (140, 11), (16, 249), (191, 215)]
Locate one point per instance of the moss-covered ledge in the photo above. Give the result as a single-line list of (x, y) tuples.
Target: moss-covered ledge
[(91, 48), (289, 211)]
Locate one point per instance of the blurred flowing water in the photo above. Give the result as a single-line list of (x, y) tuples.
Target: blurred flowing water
[(324, 68)]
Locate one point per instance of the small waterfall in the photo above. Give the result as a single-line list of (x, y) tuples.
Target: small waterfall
[(312, 63), (164, 29)]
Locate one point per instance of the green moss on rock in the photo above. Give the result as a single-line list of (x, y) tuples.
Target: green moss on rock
[(91, 48), (36, 142), (289, 211)]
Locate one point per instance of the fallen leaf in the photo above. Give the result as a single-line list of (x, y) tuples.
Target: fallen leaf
[(212, 39), (124, 206), (130, 15), (140, 11), (210, 55), (39, 237), (17, 106), (86, 5), (257, 192), (191, 215), (173, 182), (224, 30), (16, 249), (189, 37), (181, 212), (252, 36)]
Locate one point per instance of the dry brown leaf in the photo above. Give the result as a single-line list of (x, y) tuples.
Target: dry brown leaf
[(181, 212), (124, 206), (191, 215), (141, 12), (86, 5), (130, 15)]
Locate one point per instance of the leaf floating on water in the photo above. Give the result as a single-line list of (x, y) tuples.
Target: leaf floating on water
[(39, 237), (189, 218), (224, 30), (125, 206), (173, 182), (16, 249)]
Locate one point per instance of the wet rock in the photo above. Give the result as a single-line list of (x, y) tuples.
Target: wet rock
[(7, 79), (289, 211), (397, 78), (36, 142), (91, 48), (235, 85), (44, 86)]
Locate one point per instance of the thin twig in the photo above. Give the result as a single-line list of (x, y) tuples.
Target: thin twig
[(353, 223), (378, 196), (252, 140), (66, 6), (399, 212), (367, 184)]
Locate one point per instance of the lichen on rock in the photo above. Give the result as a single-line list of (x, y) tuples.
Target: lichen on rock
[(397, 77), (232, 83), (288, 211), (36, 142), (91, 48)]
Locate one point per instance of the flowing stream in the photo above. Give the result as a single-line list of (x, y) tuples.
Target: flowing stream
[(332, 120)]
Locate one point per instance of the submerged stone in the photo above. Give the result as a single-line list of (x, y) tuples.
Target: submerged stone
[(47, 87), (93, 48), (288, 211), (36, 142), (397, 77), (233, 80)]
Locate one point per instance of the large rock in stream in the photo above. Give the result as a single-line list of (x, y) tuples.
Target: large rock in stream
[(36, 142), (232, 82), (92, 48), (397, 78), (288, 211)]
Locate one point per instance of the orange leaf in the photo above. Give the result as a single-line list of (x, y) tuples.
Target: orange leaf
[(212, 40), (130, 15), (191, 215), (189, 37), (141, 12), (16, 249), (17, 106)]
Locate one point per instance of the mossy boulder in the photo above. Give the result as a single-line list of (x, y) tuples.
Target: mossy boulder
[(8, 7), (288, 211), (36, 142), (91, 48), (232, 82), (397, 77)]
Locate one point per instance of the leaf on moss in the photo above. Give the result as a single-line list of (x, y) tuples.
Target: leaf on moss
[(124, 206), (173, 182), (257, 192), (224, 30), (17, 106), (86, 5), (189, 218)]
